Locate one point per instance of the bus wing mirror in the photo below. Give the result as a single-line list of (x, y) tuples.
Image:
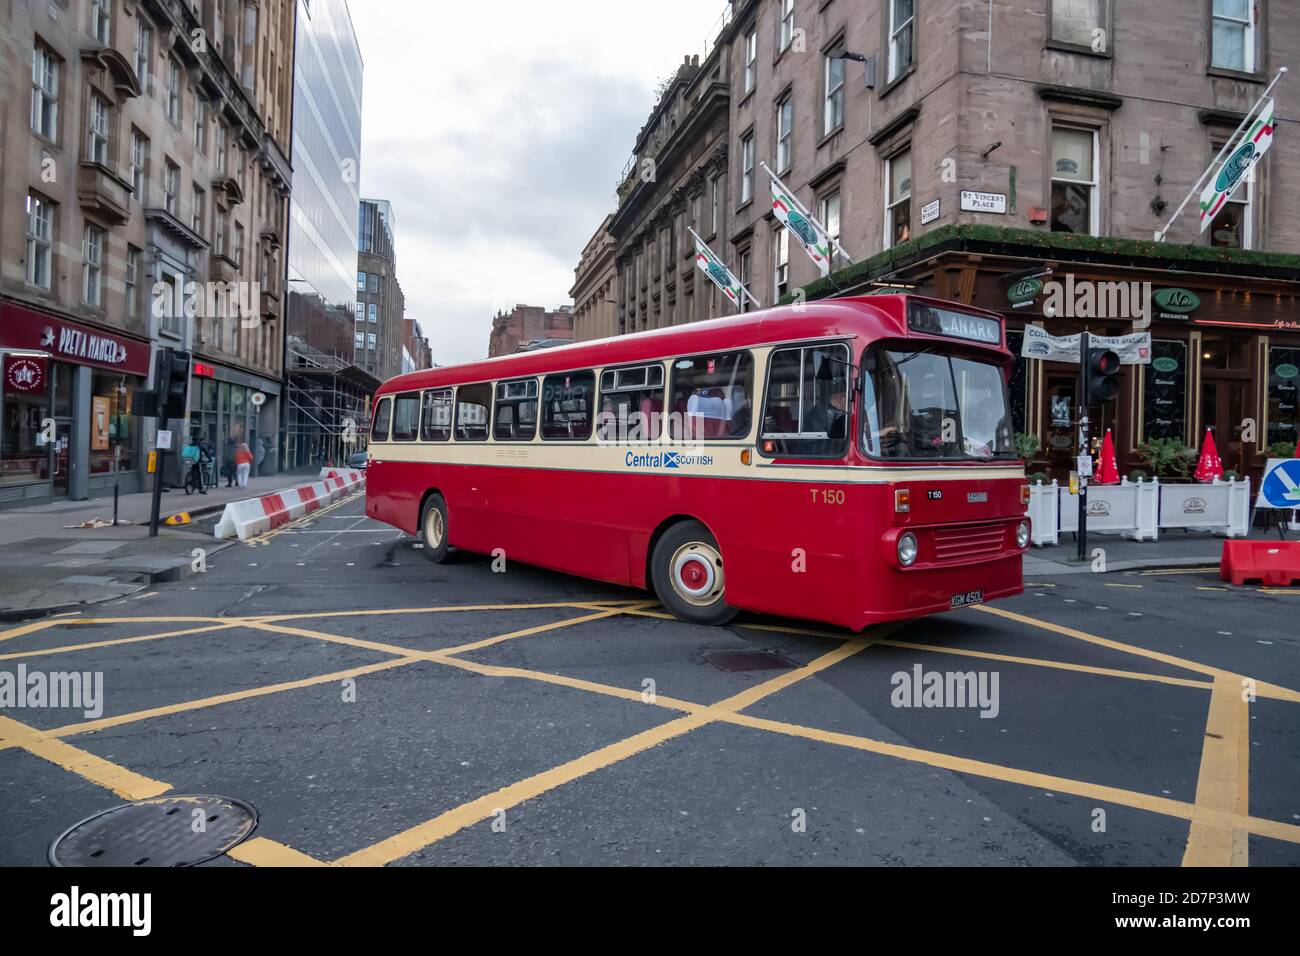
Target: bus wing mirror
[(823, 370)]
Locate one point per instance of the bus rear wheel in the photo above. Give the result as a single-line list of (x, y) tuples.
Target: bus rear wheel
[(433, 528), (687, 572)]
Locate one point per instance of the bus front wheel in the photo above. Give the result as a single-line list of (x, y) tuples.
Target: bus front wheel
[(433, 529), (687, 573)]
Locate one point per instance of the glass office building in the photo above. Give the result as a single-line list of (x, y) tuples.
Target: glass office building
[(325, 389)]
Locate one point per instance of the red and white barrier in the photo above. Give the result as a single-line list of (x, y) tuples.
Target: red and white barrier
[(253, 516)]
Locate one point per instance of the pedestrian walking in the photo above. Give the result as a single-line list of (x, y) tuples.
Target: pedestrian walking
[(243, 464)]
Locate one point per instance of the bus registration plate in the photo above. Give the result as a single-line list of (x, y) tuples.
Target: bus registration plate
[(966, 598)]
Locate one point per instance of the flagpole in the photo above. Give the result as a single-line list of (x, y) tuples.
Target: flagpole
[(748, 295), (804, 211), (1160, 236)]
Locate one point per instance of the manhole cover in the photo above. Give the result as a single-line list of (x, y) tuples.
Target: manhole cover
[(177, 830), (748, 660)]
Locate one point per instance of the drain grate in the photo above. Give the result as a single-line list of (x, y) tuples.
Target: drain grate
[(748, 660), (164, 831)]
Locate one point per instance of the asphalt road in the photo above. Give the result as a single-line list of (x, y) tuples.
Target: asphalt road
[(377, 709)]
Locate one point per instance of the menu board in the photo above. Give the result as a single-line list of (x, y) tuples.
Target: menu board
[(1164, 391), (1283, 388)]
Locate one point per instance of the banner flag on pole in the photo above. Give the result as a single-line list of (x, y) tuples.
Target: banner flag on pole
[(714, 268), (804, 228), (1248, 151)]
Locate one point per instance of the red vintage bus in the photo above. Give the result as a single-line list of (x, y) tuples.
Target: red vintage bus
[(849, 461)]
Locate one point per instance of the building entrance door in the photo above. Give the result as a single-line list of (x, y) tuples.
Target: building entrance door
[(1223, 403), (60, 451)]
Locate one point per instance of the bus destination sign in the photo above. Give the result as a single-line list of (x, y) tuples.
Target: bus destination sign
[(957, 325)]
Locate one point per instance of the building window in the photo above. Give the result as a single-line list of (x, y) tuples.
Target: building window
[(371, 340), (901, 37), (1233, 35), (101, 20), (361, 282), (92, 253), (1074, 180), (751, 60), (784, 24), (715, 211), (745, 267), (374, 312), (361, 312), (746, 168), (833, 104), (1081, 23), (45, 93), (201, 124), (174, 91), (222, 149), (40, 241), (898, 199), (780, 263), (361, 340), (97, 130), (132, 282), (1231, 227), (219, 225), (829, 214), (171, 188), (199, 209), (143, 50), (374, 282), (139, 166), (784, 133), (237, 253)]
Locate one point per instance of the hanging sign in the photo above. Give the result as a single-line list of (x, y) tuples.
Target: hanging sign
[(1132, 349)]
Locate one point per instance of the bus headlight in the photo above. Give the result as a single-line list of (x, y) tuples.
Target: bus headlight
[(906, 549), (1022, 535)]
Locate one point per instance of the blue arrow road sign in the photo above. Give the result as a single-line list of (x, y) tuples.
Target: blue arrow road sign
[(1281, 487)]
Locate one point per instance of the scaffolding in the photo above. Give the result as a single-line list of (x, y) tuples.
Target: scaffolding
[(327, 406)]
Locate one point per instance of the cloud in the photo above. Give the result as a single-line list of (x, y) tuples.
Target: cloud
[(499, 136)]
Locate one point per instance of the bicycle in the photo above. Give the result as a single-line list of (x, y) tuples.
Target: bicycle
[(200, 478)]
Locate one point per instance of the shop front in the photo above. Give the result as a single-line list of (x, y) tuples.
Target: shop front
[(229, 407), (1223, 325), (66, 431)]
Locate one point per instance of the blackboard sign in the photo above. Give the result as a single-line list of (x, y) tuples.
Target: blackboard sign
[(1018, 385), (1283, 390), (1164, 391)]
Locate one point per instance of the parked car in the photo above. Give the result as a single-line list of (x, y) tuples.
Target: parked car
[(358, 460)]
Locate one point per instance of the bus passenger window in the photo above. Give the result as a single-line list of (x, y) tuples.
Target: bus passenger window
[(806, 413), (435, 415), (566, 406), (516, 418), (711, 396), (472, 404), (383, 412), (631, 404), (406, 416)]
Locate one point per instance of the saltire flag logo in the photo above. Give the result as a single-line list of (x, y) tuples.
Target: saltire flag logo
[(712, 266), (813, 240), (1251, 149)]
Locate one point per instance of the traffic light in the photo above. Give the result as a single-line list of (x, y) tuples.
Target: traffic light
[(1100, 375), (174, 382)]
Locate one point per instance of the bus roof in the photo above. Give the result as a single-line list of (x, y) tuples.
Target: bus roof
[(872, 316)]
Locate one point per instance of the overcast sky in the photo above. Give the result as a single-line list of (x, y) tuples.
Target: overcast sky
[(498, 132)]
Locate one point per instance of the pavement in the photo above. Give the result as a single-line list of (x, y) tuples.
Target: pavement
[(1175, 549), (54, 557), (376, 709)]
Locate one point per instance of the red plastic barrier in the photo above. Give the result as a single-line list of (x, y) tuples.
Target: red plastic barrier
[(1269, 562)]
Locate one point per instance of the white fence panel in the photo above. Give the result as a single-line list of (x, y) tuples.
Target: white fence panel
[(1220, 506)]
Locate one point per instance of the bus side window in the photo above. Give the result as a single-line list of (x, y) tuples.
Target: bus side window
[(807, 408), (516, 417), (712, 396), (435, 415), (383, 412), (567, 406), (406, 416), (631, 403), (472, 404)]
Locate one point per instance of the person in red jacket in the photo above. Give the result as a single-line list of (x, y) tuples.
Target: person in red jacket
[(243, 464)]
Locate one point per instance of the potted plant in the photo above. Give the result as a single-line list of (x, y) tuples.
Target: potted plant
[(1027, 445), (1280, 449), (1168, 457)]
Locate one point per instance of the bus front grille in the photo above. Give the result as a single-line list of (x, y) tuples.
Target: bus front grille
[(962, 544)]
